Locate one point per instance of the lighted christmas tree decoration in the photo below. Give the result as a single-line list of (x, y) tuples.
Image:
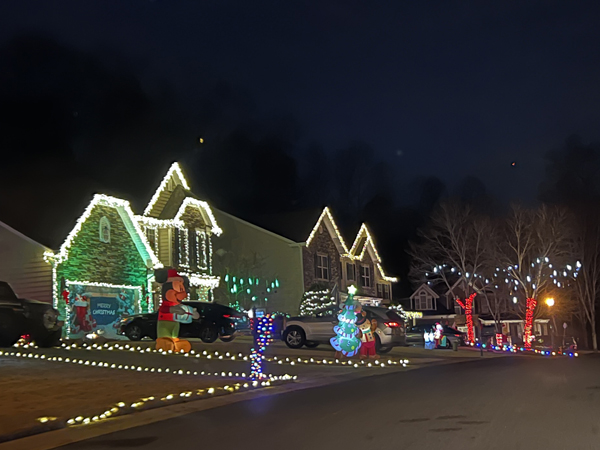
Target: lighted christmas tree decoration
[(263, 336), (346, 341)]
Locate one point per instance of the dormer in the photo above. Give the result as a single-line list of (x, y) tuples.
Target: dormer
[(424, 299), (169, 183)]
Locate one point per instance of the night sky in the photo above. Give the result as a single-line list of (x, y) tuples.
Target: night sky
[(444, 89)]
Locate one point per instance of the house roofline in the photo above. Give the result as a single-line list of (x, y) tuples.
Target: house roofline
[(264, 230), (27, 238)]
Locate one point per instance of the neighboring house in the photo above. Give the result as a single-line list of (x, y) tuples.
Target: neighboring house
[(303, 249), (105, 267), (180, 230), (329, 262), (424, 299), (22, 265), (440, 300)]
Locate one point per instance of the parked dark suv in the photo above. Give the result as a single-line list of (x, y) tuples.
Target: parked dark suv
[(23, 317), (215, 322)]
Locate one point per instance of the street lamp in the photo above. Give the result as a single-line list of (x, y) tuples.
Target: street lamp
[(550, 303)]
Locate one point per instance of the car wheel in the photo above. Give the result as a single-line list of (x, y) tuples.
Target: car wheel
[(294, 337), (134, 332), (311, 344), (209, 334), (384, 350), (227, 338), (49, 339), (9, 330)]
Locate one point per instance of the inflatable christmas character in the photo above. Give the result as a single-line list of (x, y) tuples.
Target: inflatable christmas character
[(438, 335), (83, 319), (175, 289), (367, 328)]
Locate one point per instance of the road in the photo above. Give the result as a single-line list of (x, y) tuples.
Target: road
[(512, 403)]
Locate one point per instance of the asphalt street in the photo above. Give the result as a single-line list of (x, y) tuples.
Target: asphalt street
[(509, 403)]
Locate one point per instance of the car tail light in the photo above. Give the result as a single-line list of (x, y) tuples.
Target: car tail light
[(227, 315), (457, 335), (392, 324)]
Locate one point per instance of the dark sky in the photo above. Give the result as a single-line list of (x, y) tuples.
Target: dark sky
[(457, 87), (448, 89)]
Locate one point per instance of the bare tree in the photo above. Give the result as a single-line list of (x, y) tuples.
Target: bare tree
[(533, 256), (586, 249), (452, 246)]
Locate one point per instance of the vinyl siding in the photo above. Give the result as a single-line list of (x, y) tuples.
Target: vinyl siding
[(22, 265)]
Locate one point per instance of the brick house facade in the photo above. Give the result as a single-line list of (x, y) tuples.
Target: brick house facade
[(328, 262)]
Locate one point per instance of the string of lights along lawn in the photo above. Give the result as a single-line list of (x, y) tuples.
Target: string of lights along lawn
[(139, 368), (223, 356)]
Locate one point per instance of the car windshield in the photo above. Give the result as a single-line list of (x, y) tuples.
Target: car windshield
[(393, 315)]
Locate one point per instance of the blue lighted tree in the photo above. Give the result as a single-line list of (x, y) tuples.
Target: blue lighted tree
[(346, 340)]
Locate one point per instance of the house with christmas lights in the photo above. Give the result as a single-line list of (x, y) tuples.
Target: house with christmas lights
[(105, 267), (22, 265), (180, 228), (328, 262), (296, 257), (103, 270)]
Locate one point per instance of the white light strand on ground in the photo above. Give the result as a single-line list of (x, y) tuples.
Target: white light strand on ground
[(230, 356)]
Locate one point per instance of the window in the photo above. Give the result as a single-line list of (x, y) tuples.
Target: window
[(383, 291), (350, 272), (365, 276), (104, 230), (199, 249), (184, 257), (423, 302), (322, 266), (151, 236)]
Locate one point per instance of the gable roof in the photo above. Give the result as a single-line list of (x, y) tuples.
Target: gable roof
[(425, 288), (126, 214), (169, 203), (161, 195), (294, 225), (327, 219), (21, 235), (364, 242)]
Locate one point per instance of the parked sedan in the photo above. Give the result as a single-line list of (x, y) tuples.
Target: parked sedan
[(415, 334), (216, 321), (310, 331)]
